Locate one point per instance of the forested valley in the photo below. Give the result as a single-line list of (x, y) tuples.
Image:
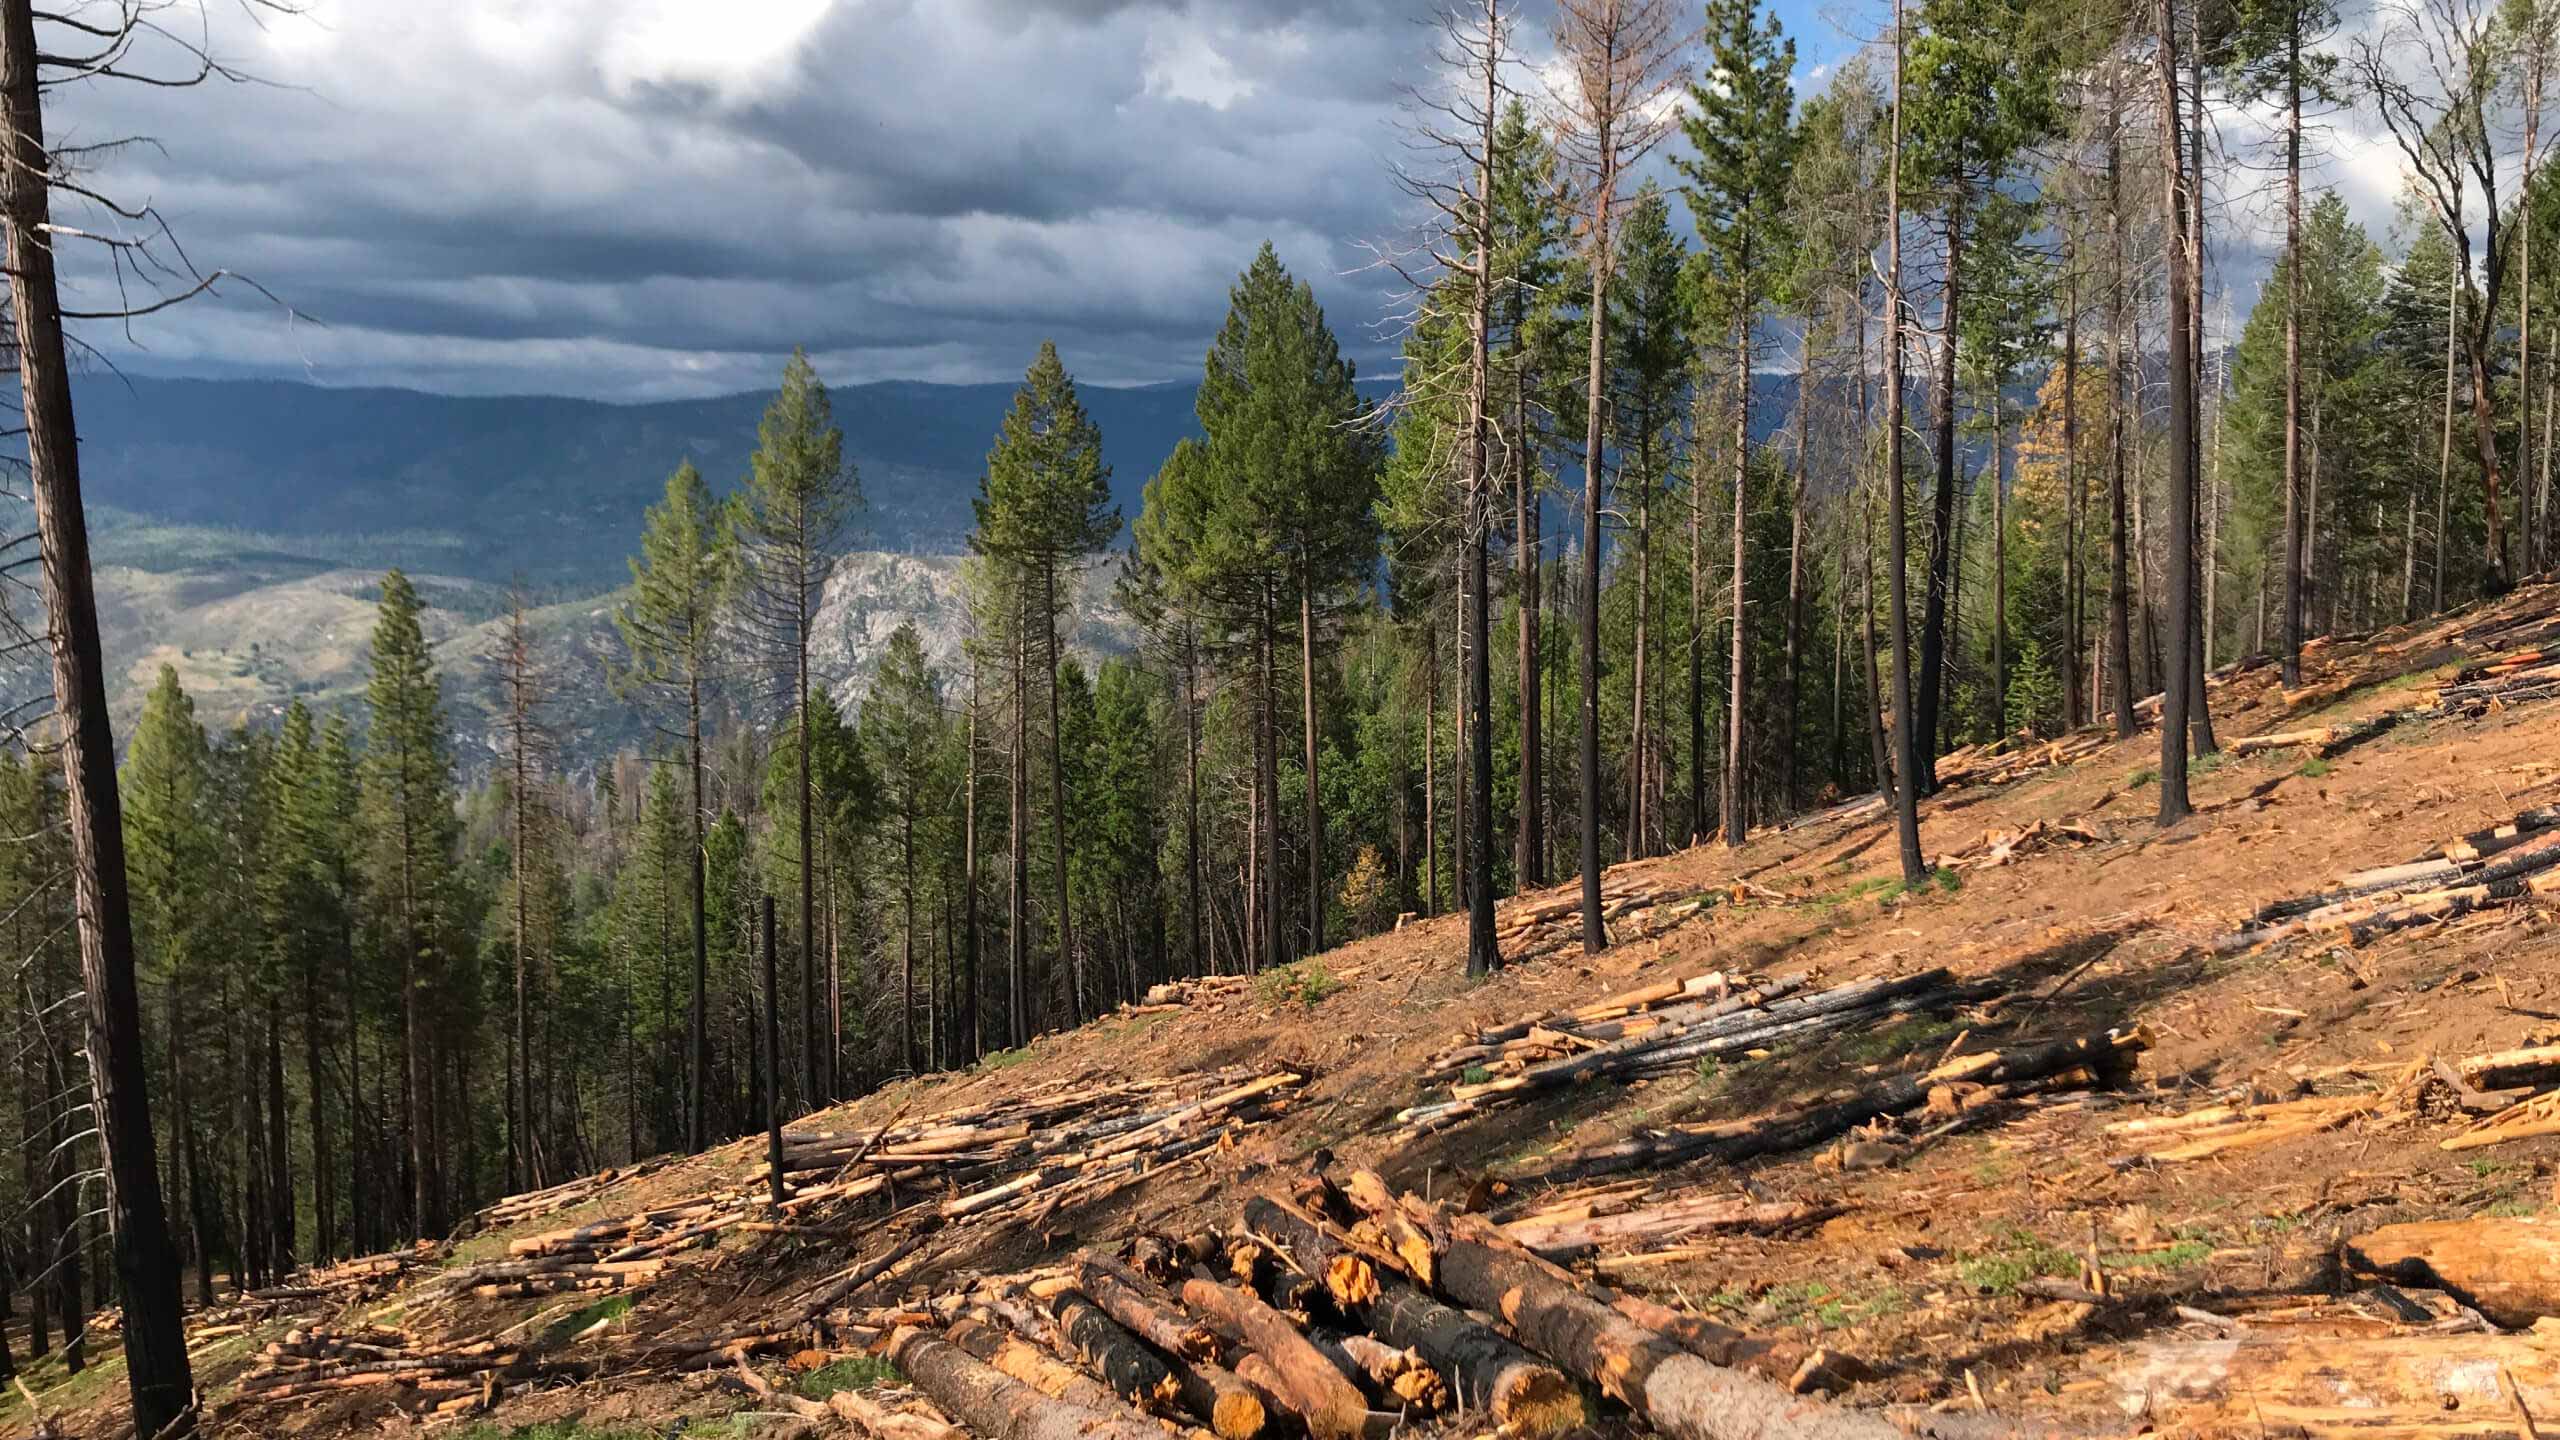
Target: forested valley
[(1757, 440)]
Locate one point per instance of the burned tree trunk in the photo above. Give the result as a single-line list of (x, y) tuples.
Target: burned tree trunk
[(147, 1267)]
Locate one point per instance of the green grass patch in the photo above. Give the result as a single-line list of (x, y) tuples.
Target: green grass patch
[(854, 1372), (1796, 1302), (2207, 764), (57, 1389), (2182, 1255), (1301, 982), (2022, 1256), (2314, 768), (2139, 778), (2512, 1209), (1003, 1059), (560, 1332), (1474, 1075), (1920, 1032), (1944, 879)]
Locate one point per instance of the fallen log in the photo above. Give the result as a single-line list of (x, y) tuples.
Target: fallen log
[(1298, 1374), (2103, 1054), (2260, 1383), (2510, 1069), (1565, 1239), (1484, 1369), (2507, 1269), (994, 1404)]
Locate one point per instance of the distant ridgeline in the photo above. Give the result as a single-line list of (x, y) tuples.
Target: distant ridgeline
[(547, 488), (539, 487)]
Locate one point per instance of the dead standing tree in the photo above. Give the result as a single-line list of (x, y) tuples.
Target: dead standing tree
[(1621, 61), (129, 40), (1454, 127), (2435, 73)]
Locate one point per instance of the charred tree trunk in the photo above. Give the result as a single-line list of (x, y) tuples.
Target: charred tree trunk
[(146, 1267)]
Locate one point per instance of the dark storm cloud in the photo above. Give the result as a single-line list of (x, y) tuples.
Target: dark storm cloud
[(629, 197)]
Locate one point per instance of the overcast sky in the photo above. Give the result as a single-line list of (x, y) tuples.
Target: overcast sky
[(634, 199)]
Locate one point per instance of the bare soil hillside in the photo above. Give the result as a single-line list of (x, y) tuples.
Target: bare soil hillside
[(2094, 1134)]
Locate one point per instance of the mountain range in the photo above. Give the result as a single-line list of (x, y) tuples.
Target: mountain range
[(241, 527)]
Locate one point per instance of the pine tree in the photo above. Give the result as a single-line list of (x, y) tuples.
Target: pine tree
[(681, 581), (1288, 477), (1742, 132), (799, 496), (170, 856), (1043, 509), (409, 824), (1981, 93), (1650, 340), (901, 732)]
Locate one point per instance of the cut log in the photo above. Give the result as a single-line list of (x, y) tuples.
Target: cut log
[(1298, 1375), (1678, 1392), (1523, 1393), (2509, 1069), (1031, 1364), (1797, 1366), (1144, 1311), (2413, 1386), (1234, 1408), (2507, 1269), (1134, 1372), (996, 1405)]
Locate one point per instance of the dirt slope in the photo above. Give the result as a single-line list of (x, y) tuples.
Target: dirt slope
[(1940, 1233)]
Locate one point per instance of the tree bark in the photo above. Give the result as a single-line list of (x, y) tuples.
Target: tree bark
[(1933, 620), (1905, 789), (146, 1266), (1595, 934), (1737, 692), (2175, 696)]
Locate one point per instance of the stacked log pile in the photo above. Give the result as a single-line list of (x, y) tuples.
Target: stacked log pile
[(1718, 1022), (1344, 1313), (2509, 862)]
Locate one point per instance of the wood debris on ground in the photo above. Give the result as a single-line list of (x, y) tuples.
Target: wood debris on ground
[(1015, 1159), (2003, 847), (1667, 1028), (1632, 907), (2517, 860)]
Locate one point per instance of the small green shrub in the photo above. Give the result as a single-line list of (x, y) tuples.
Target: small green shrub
[(2139, 778), (1304, 982), (2314, 768), (854, 1372), (1474, 1075), (2022, 1256)]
